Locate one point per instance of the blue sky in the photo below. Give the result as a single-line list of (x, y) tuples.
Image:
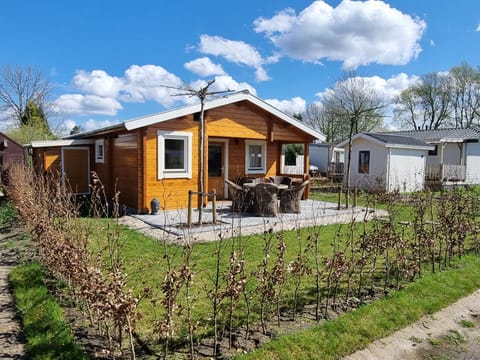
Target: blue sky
[(109, 60)]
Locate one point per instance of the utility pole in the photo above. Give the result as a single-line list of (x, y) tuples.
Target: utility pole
[(202, 95)]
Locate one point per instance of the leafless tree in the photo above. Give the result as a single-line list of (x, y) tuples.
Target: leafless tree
[(317, 116), (426, 104), (465, 82), (19, 87), (354, 102)]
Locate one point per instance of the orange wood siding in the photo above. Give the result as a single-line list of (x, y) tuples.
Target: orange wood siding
[(246, 121), (172, 193), (125, 167), (51, 158)]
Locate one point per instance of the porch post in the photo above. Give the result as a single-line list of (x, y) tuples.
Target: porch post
[(442, 145)]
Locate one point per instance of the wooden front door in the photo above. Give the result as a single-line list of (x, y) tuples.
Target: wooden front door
[(216, 168), (76, 169)]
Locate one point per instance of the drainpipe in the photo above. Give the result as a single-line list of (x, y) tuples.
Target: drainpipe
[(388, 169)]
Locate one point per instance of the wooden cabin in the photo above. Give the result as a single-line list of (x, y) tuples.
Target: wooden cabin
[(158, 156), (10, 152)]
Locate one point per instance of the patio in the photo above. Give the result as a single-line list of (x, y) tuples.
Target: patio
[(171, 225)]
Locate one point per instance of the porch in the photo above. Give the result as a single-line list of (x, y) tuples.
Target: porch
[(170, 225), (445, 173)]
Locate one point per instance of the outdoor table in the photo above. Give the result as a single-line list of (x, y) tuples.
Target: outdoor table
[(262, 206), (278, 186)]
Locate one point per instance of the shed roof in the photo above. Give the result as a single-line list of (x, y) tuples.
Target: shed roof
[(442, 135), (192, 109), (389, 140)]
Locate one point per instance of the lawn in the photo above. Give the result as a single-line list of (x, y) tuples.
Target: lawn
[(188, 293)]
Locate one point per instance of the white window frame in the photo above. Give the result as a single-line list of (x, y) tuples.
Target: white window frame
[(263, 168), (99, 155), (186, 172)]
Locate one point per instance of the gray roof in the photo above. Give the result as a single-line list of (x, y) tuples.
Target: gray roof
[(397, 139), (441, 135)]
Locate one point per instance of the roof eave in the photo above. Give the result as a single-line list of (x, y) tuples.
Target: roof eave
[(58, 143)]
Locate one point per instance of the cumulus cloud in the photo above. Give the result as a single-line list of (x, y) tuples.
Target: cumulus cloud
[(237, 52), (296, 105), (97, 82), (87, 104), (101, 93), (478, 28), (355, 33), (389, 88), (149, 82), (204, 67), (385, 88)]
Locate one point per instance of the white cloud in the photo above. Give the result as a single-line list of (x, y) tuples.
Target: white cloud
[(389, 88), (86, 104), (101, 93), (296, 105), (97, 82), (237, 52), (204, 67), (93, 124), (386, 88), (281, 23), (355, 32), (149, 82)]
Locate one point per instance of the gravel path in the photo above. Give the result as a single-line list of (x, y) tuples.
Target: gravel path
[(452, 333), (12, 345)]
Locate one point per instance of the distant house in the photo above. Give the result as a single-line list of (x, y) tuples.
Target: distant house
[(329, 159), (386, 162), (10, 152), (455, 157), (157, 156)]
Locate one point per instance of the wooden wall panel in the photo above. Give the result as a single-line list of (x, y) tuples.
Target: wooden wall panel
[(125, 168), (51, 158), (172, 193)]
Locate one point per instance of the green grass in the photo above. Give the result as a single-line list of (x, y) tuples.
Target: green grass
[(7, 214), (337, 338), (48, 337)]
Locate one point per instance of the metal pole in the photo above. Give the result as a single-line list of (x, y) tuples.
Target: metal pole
[(214, 206), (189, 219)]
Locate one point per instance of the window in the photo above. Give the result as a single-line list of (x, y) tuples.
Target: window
[(99, 151), (433, 152), (174, 154), (255, 157), (364, 162)]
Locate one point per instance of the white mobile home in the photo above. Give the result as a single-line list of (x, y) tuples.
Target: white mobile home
[(328, 158), (381, 162), (455, 157)]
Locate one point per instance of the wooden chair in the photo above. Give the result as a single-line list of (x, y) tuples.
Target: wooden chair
[(241, 199), (265, 202), (290, 198), (281, 180)]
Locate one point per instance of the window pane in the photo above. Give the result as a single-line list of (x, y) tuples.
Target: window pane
[(215, 160), (364, 162), (174, 154), (255, 156)]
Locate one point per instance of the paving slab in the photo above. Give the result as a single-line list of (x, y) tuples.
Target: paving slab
[(172, 225)]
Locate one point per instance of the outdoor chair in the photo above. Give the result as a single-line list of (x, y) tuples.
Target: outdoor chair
[(258, 180), (290, 198), (281, 180), (265, 200), (241, 199)]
